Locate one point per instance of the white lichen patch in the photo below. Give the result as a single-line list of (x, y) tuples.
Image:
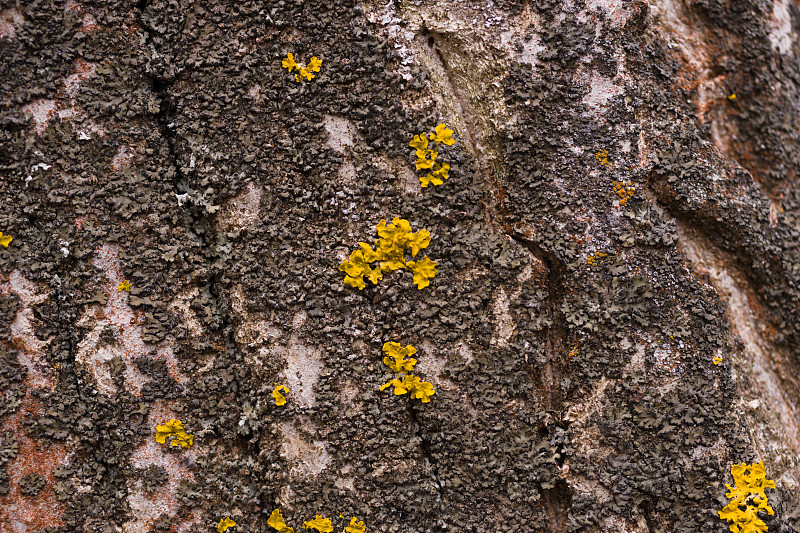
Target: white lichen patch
[(10, 20), (242, 211), (431, 363), (306, 457), (30, 349), (303, 367), (118, 317), (781, 35), (504, 325), (602, 89), (342, 136), (146, 508), (65, 106)]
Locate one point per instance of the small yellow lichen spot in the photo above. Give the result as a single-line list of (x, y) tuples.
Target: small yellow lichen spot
[(276, 522), (173, 430), (732, 97), (602, 156), (225, 524), (124, 286), (303, 71), (750, 482), (323, 525), (280, 399), (717, 360), (355, 526), (594, 259), (624, 191), (5, 240), (573, 352)]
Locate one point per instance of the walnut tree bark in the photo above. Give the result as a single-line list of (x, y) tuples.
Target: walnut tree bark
[(614, 319)]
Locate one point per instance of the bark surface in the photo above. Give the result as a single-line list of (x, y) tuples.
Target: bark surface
[(614, 321)]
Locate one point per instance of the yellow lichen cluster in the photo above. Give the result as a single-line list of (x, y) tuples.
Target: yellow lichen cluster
[(225, 524), (602, 156), (173, 430), (5, 240), (389, 253), (124, 286), (717, 360), (624, 191), (749, 481), (426, 157), (398, 359), (280, 399), (320, 523), (594, 259), (303, 71), (574, 351)]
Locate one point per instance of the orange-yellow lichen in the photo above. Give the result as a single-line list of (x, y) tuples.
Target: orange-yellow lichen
[(389, 253), (276, 522), (321, 524), (355, 526), (280, 399), (426, 157), (405, 382), (303, 71), (124, 286), (750, 482), (602, 156), (595, 258), (5, 240), (173, 430), (225, 524), (624, 191)]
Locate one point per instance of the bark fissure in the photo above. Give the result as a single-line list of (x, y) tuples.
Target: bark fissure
[(426, 448), (556, 500), (466, 117)]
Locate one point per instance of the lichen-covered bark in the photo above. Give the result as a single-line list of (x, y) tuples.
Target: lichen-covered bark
[(161, 142)]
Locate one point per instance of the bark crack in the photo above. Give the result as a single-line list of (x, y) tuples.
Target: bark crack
[(466, 117), (427, 450)]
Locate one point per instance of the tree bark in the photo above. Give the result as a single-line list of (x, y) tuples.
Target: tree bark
[(613, 323)]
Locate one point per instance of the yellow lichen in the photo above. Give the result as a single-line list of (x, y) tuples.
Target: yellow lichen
[(750, 482), (173, 430), (124, 286), (732, 97), (303, 71), (594, 259), (389, 253), (624, 191), (405, 381), (276, 522), (717, 360), (602, 156), (426, 157), (5, 240), (355, 526), (225, 524), (280, 399), (323, 525)]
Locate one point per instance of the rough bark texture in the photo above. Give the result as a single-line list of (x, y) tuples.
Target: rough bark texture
[(161, 142)]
